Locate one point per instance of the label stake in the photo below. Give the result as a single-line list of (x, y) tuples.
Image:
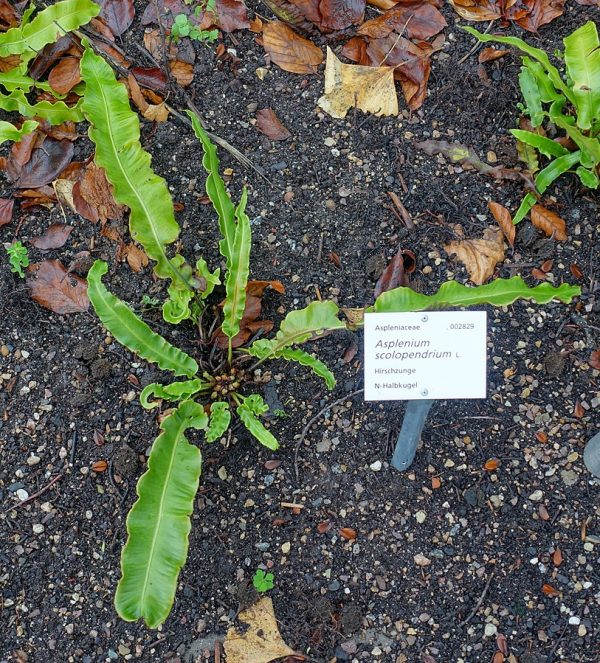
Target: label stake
[(410, 433)]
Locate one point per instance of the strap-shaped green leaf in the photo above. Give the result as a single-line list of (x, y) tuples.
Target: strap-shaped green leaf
[(211, 279), (237, 273), (8, 131), (47, 27), (588, 177), (535, 53), (177, 307), (532, 97), (158, 524), (589, 146), (500, 292), (55, 113), (115, 130), (262, 349), (303, 325), (582, 58), (526, 204), (548, 93), (176, 391), (17, 79), (131, 331), (220, 418), (555, 169), (216, 191), (248, 411), (546, 146)]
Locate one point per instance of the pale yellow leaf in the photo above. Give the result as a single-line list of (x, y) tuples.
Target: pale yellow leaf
[(480, 256), (261, 642), (370, 89)]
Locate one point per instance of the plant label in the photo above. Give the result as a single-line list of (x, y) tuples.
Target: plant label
[(426, 355)]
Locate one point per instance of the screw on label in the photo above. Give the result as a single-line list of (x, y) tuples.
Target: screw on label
[(424, 318)]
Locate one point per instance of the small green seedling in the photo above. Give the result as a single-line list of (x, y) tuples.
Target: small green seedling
[(569, 103), (149, 302), (18, 258), (183, 27), (262, 581)]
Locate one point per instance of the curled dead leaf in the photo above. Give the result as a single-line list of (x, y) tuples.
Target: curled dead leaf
[(65, 75), (594, 360), (348, 533), (549, 222), (549, 590), (490, 54), (99, 466), (269, 124), (6, 210), (480, 256), (54, 237), (504, 219)]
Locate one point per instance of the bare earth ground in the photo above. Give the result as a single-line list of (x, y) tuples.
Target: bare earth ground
[(67, 400)]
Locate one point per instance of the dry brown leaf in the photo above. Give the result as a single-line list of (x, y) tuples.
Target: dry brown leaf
[(261, 642), (576, 271), (54, 288), (183, 72), (502, 216), (348, 533), (549, 222), (490, 54), (55, 237), (549, 590), (578, 410), (480, 256), (95, 190), (502, 644), (6, 210), (541, 437), (370, 89), (324, 526), (594, 360), (435, 483), (269, 124), (257, 288), (413, 19), (136, 258), (153, 112), (498, 657), (477, 10), (288, 50), (99, 466), (65, 75)]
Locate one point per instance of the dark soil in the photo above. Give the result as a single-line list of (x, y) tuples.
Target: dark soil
[(69, 399)]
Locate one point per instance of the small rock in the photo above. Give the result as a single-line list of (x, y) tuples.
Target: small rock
[(22, 494), (376, 466), (33, 460), (574, 621), (38, 528), (582, 630), (420, 516), (323, 446), (222, 473), (123, 650), (490, 630), (285, 547), (421, 560), (263, 547), (569, 477), (536, 496)]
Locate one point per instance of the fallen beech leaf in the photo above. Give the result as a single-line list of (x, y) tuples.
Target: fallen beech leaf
[(541, 437), (540, 12), (152, 112), (55, 237), (435, 483), (183, 72), (45, 164), (492, 464), (118, 14), (350, 352), (413, 19), (228, 16), (150, 77), (8, 15), (490, 54), (557, 558), (370, 89), (93, 196), (538, 274), (269, 124), (249, 324), (324, 526), (594, 360), (6, 210), (498, 657), (549, 222), (396, 274), (348, 533), (257, 288), (576, 271), (54, 288), (99, 466), (480, 256), (504, 219), (289, 50), (65, 75), (546, 266), (477, 10), (578, 410), (502, 644), (549, 590), (261, 641), (136, 258)]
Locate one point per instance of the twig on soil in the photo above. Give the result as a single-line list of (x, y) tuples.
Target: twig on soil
[(478, 45), (479, 602), (312, 421), (35, 495), (550, 656), (73, 448)]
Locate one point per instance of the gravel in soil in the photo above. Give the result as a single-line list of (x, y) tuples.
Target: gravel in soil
[(447, 556)]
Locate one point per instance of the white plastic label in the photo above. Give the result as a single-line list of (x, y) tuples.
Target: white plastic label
[(412, 356)]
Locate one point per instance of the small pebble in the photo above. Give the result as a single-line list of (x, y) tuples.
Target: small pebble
[(38, 528), (536, 496), (421, 560), (376, 466)]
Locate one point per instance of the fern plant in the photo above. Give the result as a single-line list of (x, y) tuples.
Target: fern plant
[(20, 45), (215, 386), (570, 104)]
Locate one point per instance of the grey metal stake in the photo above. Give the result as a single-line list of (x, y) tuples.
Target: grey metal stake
[(410, 433), (591, 455)]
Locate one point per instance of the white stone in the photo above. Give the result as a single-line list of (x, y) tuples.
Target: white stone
[(536, 496), (38, 528), (490, 630), (376, 466), (420, 516), (574, 621)]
